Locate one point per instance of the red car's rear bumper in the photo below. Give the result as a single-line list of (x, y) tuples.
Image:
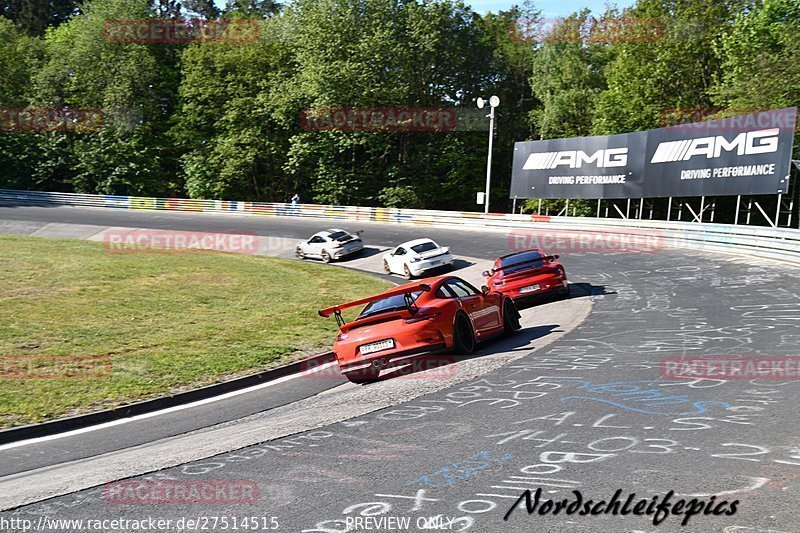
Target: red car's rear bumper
[(546, 285), (389, 357)]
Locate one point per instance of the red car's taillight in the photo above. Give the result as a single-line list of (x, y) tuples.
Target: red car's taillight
[(420, 318), (341, 336)]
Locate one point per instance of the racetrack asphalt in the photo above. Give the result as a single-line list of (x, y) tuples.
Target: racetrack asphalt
[(589, 412)]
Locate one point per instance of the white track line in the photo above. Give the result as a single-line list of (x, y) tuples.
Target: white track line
[(121, 421)]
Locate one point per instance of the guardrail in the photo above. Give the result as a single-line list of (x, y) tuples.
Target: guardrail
[(773, 243)]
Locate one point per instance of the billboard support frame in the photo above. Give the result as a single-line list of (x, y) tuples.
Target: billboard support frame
[(702, 208)]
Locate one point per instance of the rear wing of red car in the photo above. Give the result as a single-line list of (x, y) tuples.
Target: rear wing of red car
[(400, 291), (529, 262)]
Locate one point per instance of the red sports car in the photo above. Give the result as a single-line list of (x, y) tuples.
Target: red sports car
[(433, 315), (526, 274)]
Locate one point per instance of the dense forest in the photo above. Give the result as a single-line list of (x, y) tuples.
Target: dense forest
[(216, 117)]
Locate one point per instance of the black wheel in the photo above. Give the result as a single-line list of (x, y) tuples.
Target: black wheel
[(386, 267), (366, 375), (298, 253), (565, 290), (407, 272), (463, 336), (326, 257), (510, 317)]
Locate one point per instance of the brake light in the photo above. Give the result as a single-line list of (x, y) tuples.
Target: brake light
[(420, 318), (341, 336)]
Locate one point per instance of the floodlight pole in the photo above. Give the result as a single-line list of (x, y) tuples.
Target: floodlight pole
[(489, 160)]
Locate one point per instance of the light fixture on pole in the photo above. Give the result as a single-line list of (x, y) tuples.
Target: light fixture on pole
[(494, 101)]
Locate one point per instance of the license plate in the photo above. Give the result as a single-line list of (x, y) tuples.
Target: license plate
[(530, 288), (376, 347)]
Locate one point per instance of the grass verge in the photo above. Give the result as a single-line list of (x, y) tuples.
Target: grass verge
[(166, 321)]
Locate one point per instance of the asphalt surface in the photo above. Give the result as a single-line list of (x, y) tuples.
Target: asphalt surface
[(589, 413)]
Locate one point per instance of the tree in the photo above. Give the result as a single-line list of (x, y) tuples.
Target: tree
[(35, 16), (567, 77), (760, 58), (230, 94), (672, 67), (130, 84), (368, 54), (202, 8)]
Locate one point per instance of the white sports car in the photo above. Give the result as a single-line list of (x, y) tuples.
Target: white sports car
[(329, 245), (412, 258)]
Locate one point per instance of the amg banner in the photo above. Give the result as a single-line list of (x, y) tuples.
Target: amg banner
[(745, 154)]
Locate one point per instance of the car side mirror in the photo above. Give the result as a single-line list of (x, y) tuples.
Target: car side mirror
[(556, 257), (486, 274), (485, 290)]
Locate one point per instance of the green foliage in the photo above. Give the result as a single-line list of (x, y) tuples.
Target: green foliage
[(35, 16), (674, 69), (233, 145), (761, 58), (404, 197), (554, 206), (223, 119), (566, 78), (128, 83), (166, 320)]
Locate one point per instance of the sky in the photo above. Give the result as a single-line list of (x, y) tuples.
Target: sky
[(549, 8)]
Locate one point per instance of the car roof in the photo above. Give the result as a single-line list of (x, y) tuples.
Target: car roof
[(327, 232), (409, 244)]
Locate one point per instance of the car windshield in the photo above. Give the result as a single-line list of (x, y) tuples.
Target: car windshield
[(424, 247), (511, 264), (337, 235), (392, 303)]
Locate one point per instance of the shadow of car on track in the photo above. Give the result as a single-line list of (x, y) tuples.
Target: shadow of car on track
[(591, 290), (577, 290), (442, 364), (366, 251)]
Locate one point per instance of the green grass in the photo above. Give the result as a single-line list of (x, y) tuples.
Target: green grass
[(168, 321)]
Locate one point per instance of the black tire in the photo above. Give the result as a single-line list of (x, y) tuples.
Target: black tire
[(463, 336), (407, 272), (565, 291), (326, 257), (298, 253), (386, 268), (511, 316), (366, 375)]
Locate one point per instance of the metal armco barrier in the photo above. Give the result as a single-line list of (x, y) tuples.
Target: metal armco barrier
[(772, 243)]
